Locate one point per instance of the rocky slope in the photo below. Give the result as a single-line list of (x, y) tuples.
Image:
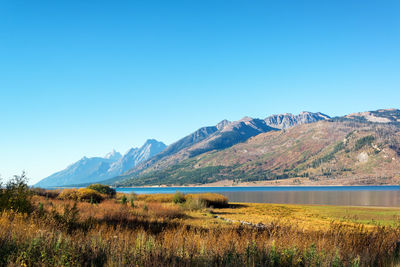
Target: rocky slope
[(345, 151), (90, 170), (224, 135), (391, 116), (287, 120)]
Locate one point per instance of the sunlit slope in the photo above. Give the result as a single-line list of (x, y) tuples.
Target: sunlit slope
[(325, 152)]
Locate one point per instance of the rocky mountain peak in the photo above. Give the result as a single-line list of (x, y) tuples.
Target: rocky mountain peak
[(113, 155), (222, 124), (287, 120)]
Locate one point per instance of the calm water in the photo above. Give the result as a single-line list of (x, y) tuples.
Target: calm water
[(333, 195)]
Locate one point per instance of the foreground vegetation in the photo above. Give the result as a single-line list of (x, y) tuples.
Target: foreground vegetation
[(188, 230)]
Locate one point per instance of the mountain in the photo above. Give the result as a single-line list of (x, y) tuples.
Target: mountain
[(113, 155), (380, 116), (224, 135), (287, 120), (135, 156), (91, 170), (329, 151), (85, 170)]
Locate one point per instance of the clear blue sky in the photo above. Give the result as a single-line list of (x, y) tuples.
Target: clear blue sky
[(83, 77)]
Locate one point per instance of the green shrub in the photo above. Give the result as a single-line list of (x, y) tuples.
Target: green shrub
[(178, 198), (103, 189), (16, 195), (124, 199)]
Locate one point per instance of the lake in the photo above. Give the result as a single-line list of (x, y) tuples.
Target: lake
[(388, 196)]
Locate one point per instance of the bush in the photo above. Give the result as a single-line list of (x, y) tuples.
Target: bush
[(89, 195), (16, 195), (178, 198), (69, 219), (124, 199), (82, 194), (68, 194), (103, 189)]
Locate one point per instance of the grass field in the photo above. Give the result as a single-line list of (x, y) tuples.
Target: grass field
[(312, 216), (187, 230)]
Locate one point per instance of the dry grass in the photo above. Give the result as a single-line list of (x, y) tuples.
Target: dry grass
[(153, 233), (164, 198), (210, 199)]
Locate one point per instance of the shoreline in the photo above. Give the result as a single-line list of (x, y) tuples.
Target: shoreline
[(291, 182), (256, 185)]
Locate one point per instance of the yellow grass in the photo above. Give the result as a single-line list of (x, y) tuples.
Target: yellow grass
[(160, 233)]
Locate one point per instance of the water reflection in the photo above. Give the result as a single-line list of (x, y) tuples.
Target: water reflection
[(346, 198), (388, 196)]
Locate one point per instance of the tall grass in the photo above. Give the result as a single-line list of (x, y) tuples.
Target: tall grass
[(119, 245), (113, 234), (155, 232), (209, 199)]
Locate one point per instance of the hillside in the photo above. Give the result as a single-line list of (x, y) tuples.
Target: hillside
[(325, 152), (215, 138), (287, 120)]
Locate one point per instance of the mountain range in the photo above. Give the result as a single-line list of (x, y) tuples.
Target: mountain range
[(221, 136), (308, 148), (95, 169)]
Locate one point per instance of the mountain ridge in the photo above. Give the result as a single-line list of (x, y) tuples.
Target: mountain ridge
[(226, 150), (326, 151), (222, 136), (96, 169)]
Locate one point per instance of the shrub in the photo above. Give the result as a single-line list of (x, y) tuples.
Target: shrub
[(124, 199), (178, 198), (103, 189), (68, 194), (89, 195), (82, 194), (16, 195), (69, 219)]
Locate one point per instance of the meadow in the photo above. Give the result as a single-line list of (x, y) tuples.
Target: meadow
[(93, 227)]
